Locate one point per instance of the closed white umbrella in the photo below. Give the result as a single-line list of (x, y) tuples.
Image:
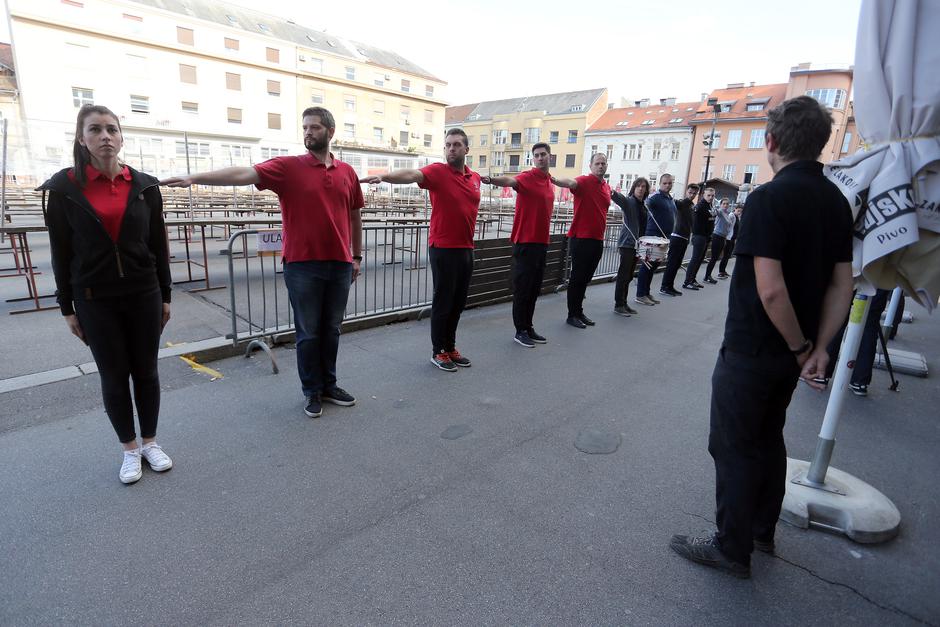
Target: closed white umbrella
[(893, 185)]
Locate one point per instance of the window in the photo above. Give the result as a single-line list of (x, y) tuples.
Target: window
[(593, 149), (376, 162), (350, 73), (532, 135), (349, 103), (632, 153), (499, 137), (750, 174), (187, 73), (184, 35), (657, 150), (832, 98), (233, 81), (513, 163), (82, 96), (316, 96), (272, 55), (757, 138), (316, 65), (653, 178), (378, 106), (406, 85), (569, 161), (734, 138), (231, 44), (196, 149), (620, 185), (610, 151), (846, 142), (552, 160), (515, 139), (572, 137), (624, 156), (378, 134), (349, 131), (498, 159), (428, 116), (379, 80), (755, 106), (482, 161), (234, 116), (140, 104), (482, 140), (270, 153), (553, 137), (429, 91), (236, 150), (403, 138), (274, 120), (647, 122), (190, 107), (274, 88), (528, 158), (427, 140), (674, 154), (728, 173)]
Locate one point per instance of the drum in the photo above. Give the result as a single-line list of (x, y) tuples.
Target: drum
[(650, 249)]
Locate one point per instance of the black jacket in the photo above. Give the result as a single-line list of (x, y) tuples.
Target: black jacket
[(683, 227), (703, 219), (86, 262)]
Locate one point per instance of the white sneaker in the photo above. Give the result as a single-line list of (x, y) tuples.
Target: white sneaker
[(130, 469), (158, 460)]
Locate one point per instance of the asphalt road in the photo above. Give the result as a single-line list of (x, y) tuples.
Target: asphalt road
[(369, 516)]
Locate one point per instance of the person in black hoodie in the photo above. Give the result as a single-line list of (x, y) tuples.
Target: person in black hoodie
[(703, 221), (678, 242), (110, 258)]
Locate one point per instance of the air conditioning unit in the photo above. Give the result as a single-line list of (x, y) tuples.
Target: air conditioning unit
[(302, 58)]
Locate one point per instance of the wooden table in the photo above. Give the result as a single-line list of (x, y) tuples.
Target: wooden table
[(19, 243)]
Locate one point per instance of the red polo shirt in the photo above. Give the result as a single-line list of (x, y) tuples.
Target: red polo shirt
[(591, 201), (455, 200), (535, 198), (107, 197), (316, 203)]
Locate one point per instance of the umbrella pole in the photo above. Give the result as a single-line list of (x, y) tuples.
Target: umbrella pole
[(892, 311)]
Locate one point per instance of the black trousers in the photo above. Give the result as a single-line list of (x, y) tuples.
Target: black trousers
[(451, 269), (677, 248), (718, 246), (750, 395), (726, 256), (528, 270), (585, 255), (624, 275), (865, 360), (699, 244), (124, 336)]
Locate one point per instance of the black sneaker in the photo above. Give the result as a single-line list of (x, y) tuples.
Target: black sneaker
[(576, 322), (620, 310), (698, 285), (704, 550), (586, 320), (630, 310), (723, 275), (765, 546), (338, 396), (458, 359), (689, 286), (522, 338), (670, 291), (859, 389), (535, 337), (710, 280), (442, 361), (313, 407)]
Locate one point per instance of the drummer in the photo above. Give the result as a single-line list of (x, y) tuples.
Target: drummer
[(662, 218)]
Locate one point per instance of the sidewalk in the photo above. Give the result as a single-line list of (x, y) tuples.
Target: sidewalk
[(369, 515)]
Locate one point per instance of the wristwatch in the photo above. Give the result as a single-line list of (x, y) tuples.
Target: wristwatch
[(359, 258), (805, 346)]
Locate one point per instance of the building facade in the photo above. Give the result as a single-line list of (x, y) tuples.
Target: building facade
[(211, 84), (644, 141), (502, 132)]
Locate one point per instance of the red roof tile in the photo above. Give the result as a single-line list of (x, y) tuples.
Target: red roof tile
[(770, 95), (632, 118), (457, 114)]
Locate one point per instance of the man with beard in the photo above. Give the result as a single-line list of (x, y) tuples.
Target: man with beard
[(455, 200), (320, 201)]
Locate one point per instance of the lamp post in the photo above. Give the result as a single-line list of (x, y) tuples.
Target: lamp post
[(710, 140)]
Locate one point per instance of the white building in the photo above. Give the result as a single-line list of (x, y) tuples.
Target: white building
[(644, 140), (233, 80)]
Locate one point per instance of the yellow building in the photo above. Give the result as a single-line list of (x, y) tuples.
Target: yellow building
[(502, 132)]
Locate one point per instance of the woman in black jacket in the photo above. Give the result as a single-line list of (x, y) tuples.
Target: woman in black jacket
[(111, 263)]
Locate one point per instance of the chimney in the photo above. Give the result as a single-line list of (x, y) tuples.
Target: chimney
[(735, 85), (610, 106), (752, 84), (667, 102), (644, 103), (704, 96)]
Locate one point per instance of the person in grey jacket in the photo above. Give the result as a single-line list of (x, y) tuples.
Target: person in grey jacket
[(724, 221), (633, 212)]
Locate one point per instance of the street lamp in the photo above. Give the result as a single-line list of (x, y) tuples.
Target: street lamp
[(710, 139)]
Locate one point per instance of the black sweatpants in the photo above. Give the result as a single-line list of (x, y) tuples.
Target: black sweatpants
[(750, 395), (451, 269), (124, 336), (718, 246), (528, 270), (726, 256), (585, 255), (677, 247), (624, 275), (699, 244)]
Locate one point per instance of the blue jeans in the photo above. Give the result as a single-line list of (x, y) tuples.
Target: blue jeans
[(318, 291)]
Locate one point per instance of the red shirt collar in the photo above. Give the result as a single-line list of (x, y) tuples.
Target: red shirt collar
[(92, 173), (315, 163)]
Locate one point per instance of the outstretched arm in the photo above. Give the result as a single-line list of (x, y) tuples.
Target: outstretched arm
[(398, 176), (225, 176), (569, 183), (500, 181)]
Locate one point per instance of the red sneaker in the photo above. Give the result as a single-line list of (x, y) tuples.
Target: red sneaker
[(442, 361), (458, 359)]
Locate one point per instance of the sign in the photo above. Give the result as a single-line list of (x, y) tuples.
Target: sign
[(269, 243)]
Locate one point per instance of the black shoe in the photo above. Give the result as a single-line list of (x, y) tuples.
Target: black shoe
[(670, 291), (764, 546), (535, 337), (522, 338), (859, 389), (338, 396), (586, 320), (708, 279), (313, 407), (630, 310), (705, 551), (576, 322), (723, 275), (620, 310), (689, 286), (698, 285)]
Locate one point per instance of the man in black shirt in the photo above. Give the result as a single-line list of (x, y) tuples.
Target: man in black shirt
[(703, 221), (678, 241), (791, 287)]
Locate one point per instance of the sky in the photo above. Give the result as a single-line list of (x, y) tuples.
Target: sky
[(493, 49)]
